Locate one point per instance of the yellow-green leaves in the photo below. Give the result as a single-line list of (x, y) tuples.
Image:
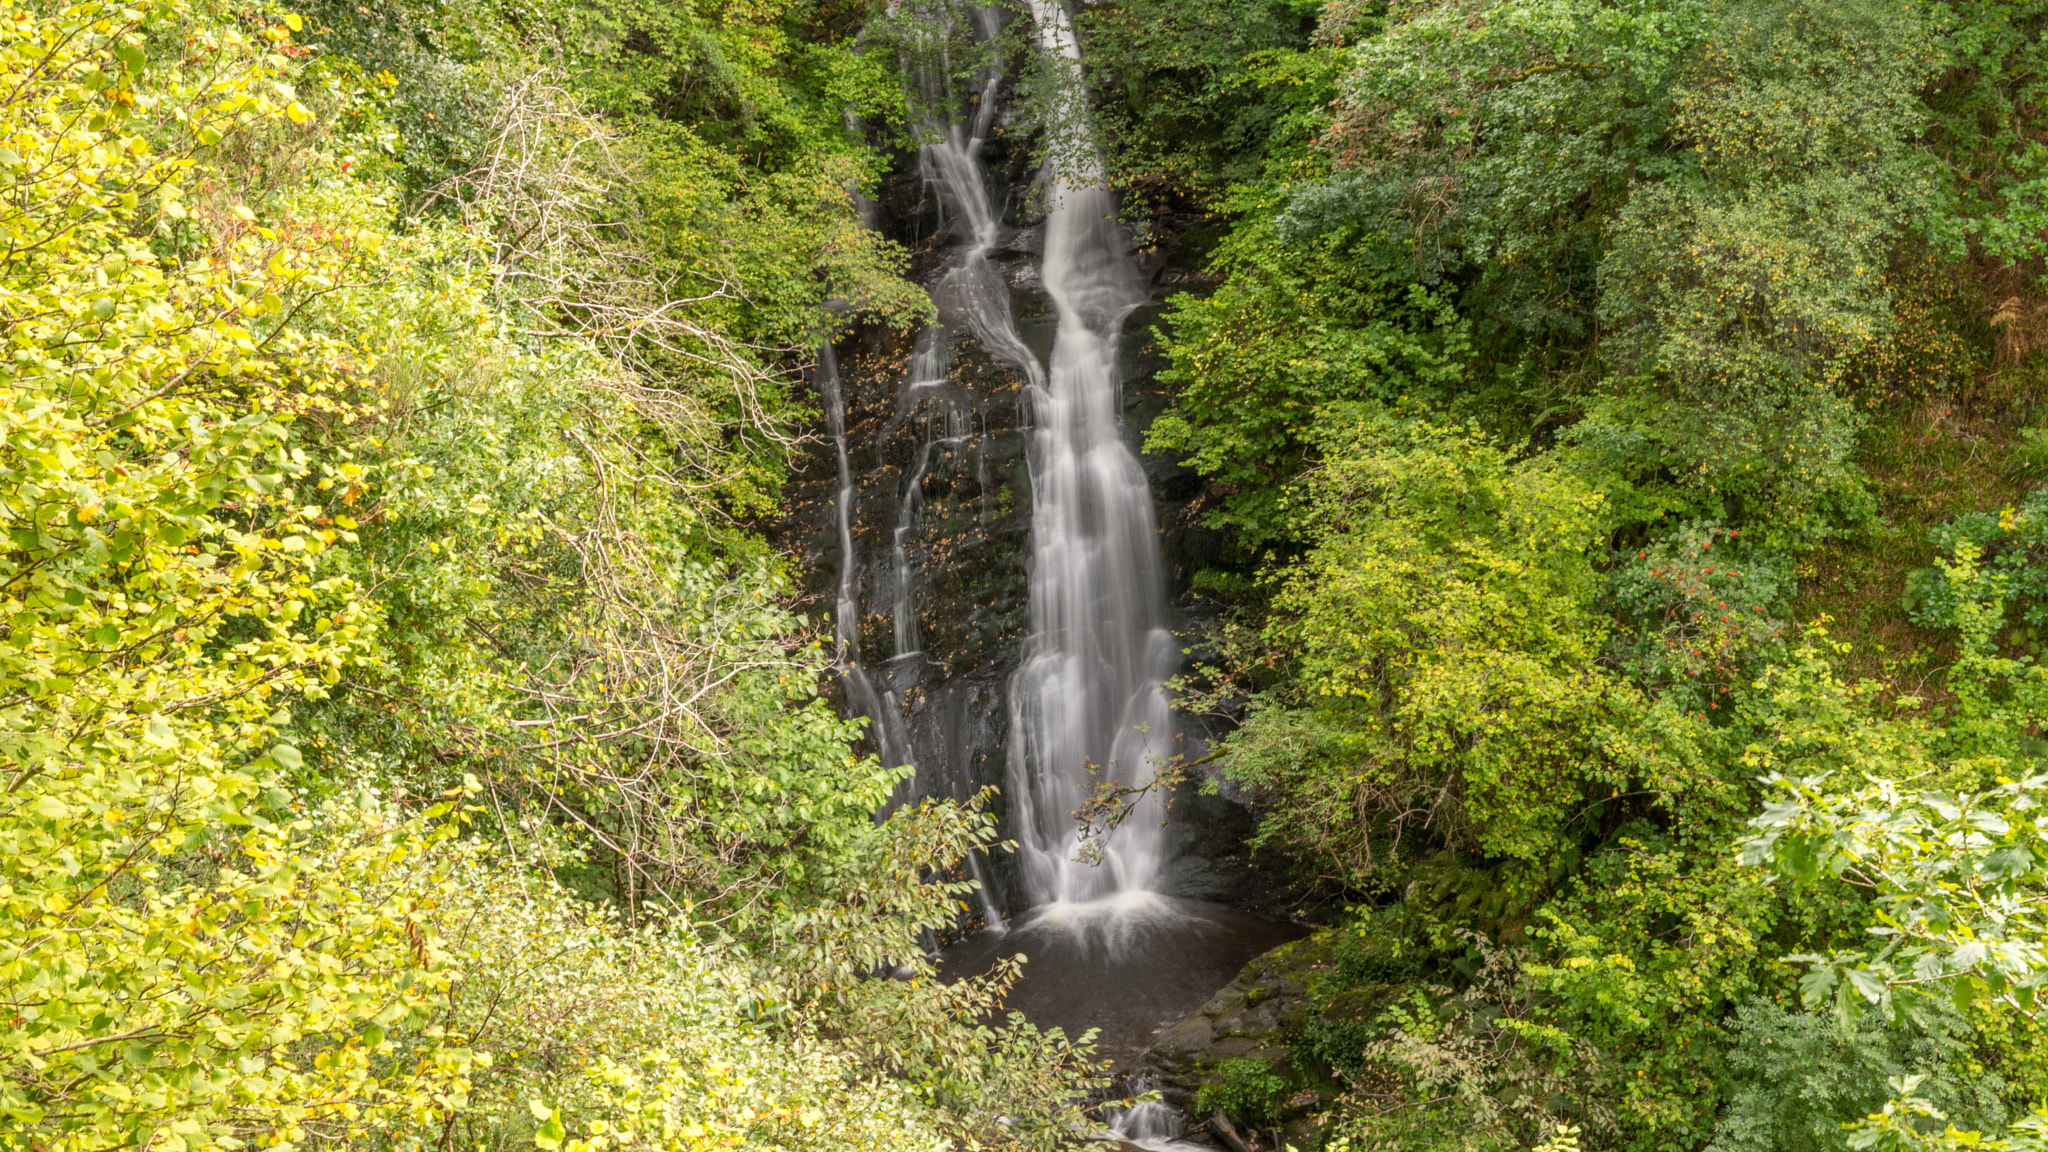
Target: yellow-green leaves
[(1443, 650), (235, 1007), (188, 954)]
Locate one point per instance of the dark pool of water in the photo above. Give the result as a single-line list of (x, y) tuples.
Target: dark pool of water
[(1130, 966)]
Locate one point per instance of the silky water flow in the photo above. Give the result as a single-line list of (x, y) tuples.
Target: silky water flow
[(973, 297), (1086, 707)]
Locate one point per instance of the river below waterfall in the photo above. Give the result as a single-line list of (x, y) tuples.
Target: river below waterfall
[(1129, 966)]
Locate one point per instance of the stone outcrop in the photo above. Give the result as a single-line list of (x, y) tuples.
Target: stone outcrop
[(1272, 1014), (1251, 1017)]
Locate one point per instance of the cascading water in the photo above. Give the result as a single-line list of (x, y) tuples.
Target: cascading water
[(972, 296), (1152, 1126), (972, 293), (927, 375), (1086, 706), (947, 426), (1108, 947)]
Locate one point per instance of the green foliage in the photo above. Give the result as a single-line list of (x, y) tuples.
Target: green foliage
[(1909, 1121), (1954, 872), (1201, 93), (723, 154), (1246, 1088), (1645, 952), (1967, 940), (1294, 330), (1474, 1071), (1701, 604), (236, 971), (1378, 949), (1981, 112), (1443, 653), (312, 516), (543, 560), (1794, 1078), (1493, 142), (1747, 283), (611, 1037), (1668, 216), (187, 954), (765, 83), (1937, 823), (2013, 552), (1671, 257)]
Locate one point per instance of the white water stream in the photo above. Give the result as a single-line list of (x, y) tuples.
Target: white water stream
[(1086, 706), (881, 708), (1152, 1126), (971, 294)]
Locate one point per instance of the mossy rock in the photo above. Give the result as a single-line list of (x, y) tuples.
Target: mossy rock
[(1243, 1042)]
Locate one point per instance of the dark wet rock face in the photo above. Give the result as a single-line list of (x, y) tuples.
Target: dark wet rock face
[(1273, 1014), (941, 515), (1252, 1016)]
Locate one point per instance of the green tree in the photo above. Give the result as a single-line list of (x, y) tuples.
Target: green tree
[(1443, 683), (1937, 824), (320, 528), (1295, 329), (186, 956)]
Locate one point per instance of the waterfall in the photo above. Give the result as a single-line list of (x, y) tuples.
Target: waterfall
[(970, 294), (881, 708), (1086, 704), (1081, 702), (1149, 1125), (1044, 676), (846, 609), (927, 376)]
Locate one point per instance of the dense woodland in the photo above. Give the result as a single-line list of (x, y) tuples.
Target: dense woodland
[(1622, 434)]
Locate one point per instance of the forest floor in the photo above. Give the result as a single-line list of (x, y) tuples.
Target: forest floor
[(1928, 460)]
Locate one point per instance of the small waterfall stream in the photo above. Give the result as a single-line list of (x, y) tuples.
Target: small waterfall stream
[(880, 707), (1152, 1126)]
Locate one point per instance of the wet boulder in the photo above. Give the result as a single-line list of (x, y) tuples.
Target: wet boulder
[(1258, 1016), (1257, 1048)]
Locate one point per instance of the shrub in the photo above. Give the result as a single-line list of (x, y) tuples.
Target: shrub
[(2015, 552), (1245, 1089), (1794, 1078)]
